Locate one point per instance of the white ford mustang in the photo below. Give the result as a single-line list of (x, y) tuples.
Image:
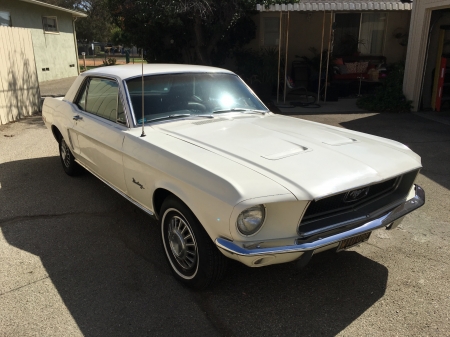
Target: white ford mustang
[(225, 177)]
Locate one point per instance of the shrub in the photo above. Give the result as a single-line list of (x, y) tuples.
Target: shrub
[(389, 97), (259, 66)]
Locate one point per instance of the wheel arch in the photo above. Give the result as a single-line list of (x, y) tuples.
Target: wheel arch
[(159, 195), (56, 133)]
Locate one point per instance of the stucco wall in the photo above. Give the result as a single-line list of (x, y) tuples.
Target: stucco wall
[(397, 22), (55, 51)]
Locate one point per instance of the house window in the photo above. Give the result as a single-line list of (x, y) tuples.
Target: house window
[(5, 19), (50, 24), (359, 33), (271, 31)]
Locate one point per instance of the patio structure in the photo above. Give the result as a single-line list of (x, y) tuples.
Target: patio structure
[(348, 38)]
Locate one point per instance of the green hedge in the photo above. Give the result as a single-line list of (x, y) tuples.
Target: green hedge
[(389, 97)]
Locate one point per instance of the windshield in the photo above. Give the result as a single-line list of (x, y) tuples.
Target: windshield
[(173, 95)]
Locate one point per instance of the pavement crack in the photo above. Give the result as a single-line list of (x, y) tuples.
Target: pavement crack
[(373, 245), (12, 220), (25, 285), (203, 302)]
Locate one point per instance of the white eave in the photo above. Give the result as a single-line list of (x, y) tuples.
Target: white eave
[(317, 5), (43, 4)]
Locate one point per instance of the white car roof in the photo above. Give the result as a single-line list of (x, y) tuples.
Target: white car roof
[(133, 70)]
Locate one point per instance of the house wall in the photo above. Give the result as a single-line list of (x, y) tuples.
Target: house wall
[(55, 51), (417, 49), (396, 22), (305, 32)]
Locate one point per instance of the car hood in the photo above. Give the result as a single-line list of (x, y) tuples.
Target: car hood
[(311, 160)]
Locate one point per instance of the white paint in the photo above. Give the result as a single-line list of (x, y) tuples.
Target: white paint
[(219, 169)]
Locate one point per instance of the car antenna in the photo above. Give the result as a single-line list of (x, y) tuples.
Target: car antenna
[(143, 115)]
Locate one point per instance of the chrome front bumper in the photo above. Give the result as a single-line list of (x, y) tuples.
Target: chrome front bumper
[(264, 256)]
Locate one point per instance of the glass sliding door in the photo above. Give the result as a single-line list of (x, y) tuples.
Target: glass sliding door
[(346, 33), (359, 33), (373, 27)]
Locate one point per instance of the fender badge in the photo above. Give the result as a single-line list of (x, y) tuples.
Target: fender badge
[(137, 183)]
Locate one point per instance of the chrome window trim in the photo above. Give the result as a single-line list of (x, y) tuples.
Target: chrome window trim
[(85, 83), (127, 93), (128, 99)]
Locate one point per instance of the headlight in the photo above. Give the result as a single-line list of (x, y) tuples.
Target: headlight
[(251, 220)]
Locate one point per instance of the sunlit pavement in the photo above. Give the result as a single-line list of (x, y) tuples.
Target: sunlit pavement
[(77, 259)]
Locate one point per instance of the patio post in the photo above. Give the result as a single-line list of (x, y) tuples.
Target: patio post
[(279, 57), (286, 58), (328, 58), (321, 57)]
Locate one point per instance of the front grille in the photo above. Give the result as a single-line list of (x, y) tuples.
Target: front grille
[(336, 203), (333, 213)]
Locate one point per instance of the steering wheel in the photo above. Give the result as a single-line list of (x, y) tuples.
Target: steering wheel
[(196, 106), (195, 98)]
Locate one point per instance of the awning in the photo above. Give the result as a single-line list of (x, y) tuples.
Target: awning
[(318, 5)]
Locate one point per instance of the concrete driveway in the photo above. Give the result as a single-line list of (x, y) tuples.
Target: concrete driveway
[(77, 259)]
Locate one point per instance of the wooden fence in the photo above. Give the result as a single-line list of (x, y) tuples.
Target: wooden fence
[(19, 86)]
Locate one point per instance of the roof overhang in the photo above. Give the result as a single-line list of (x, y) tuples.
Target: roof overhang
[(43, 4), (317, 5)]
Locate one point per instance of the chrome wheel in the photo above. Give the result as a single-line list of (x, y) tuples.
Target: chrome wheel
[(65, 153), (182, 243), (191, 254)]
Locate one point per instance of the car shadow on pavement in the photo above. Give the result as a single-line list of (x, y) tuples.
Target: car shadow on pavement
[(104, 257), (429, 139)]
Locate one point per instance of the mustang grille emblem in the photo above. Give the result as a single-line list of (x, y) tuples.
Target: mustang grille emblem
[(137, 183), (356, 195)]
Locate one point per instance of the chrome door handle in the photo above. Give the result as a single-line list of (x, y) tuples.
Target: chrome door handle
[(77, 117)]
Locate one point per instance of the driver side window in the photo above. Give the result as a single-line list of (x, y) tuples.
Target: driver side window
[(100, 97)]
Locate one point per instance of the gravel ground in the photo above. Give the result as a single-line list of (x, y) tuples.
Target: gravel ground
[(56, 87), (77, 259)]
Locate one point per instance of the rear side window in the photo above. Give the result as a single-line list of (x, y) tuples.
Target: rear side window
[(100, 97)]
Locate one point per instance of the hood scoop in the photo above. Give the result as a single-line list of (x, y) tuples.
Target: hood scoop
[(275, 149), (287, 153), (342, 141)]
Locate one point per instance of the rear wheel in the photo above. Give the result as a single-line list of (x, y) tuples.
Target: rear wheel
[(192, 256), (67, 159)]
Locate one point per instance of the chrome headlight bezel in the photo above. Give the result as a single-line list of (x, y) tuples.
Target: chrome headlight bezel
[(261, 208)]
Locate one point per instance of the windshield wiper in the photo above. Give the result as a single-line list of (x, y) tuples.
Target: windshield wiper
[(204, 116), (167, 117), (239, 110)]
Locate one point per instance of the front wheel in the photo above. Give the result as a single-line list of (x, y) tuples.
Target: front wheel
[(192, 256)]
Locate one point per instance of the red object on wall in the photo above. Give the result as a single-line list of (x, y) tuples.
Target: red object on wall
[(440, 87)]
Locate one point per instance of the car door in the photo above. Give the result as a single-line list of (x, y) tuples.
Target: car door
[(99, 127)]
